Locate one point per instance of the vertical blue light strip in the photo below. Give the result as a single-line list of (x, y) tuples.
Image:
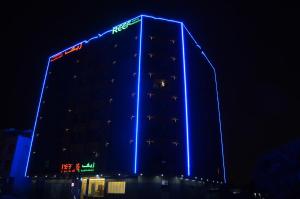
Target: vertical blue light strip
[(185, 103), (37, 115), (219, 116), (138, 99)]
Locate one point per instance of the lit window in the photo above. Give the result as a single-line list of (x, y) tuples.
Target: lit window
[(69, 110), (173, 77), (64, 149), (131, 117), (112, 80), (67, 130), (106, 144), (37, 135), (151, 37), (96, 154), (172, 41), (34, 152), (150, 95), (162, 83), (136, 37), (41, 117), (149, 142), (174, 98), (43, 101), (174, 119), (108, 122), (110, 100), (150, 55), (131, 141), (135, 54), (74, 76), (175, 143), (114, 62), (50, 72), (133, 74), (116, 187), (132, 94), (149, 117), (77, 61), (116, 45), (150, 74), (173, 59)]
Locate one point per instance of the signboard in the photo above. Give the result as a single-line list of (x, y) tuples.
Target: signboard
[(77, 167), (125, 25)]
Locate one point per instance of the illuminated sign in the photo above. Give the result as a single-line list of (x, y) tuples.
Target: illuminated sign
[(125, 25), (77, 168), (68, 51)]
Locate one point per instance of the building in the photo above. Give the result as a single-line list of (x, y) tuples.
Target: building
[(137, 101), (14, 148)]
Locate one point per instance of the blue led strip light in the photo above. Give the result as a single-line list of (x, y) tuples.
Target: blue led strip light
[(219, 114), (42, 92), (37, 114), (162, 19), (138, 99), (218, 104), (185, 103)]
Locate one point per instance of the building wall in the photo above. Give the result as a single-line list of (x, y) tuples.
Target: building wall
[(89, 107)]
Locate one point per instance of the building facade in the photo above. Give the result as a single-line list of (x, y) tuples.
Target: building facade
[(140, 99)]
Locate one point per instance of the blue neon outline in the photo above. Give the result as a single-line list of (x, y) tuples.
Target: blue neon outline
[(138, 98), (162, 19), (37, 115), (192, 37), (185, 103), (218, 104), (104, 33), (219, 115)]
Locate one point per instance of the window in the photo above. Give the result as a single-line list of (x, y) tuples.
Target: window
[(116, 187)]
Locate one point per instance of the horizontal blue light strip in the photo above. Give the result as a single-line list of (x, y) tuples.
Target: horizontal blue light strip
[(219, 115), (163, 19), (37, 115), (138, 99), (185, 103)]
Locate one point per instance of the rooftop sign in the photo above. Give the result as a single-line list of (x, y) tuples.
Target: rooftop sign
[(125, 25)]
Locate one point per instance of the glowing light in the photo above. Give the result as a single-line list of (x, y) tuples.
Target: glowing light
[(37, 115), (77, 168), (162, 19), (73, 49), (219, 116), (125, 25), (185, 103), (56, 57), (138, 98)]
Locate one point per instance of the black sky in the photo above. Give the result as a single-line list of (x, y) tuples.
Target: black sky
[(253, 45)]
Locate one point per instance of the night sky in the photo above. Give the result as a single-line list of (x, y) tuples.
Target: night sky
[(253, 46)]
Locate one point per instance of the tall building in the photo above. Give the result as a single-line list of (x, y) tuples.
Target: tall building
[(139, 99)]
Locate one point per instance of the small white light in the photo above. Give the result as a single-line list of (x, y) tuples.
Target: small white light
[(97, 176), (141, 174), (162, 175), (72, 184), (196, 178), (119, 174)]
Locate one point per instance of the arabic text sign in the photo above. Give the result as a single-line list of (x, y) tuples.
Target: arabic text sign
[(77, 167)]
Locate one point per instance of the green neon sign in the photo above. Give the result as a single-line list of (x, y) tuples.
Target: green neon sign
[(125, 25), (77, 167)]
